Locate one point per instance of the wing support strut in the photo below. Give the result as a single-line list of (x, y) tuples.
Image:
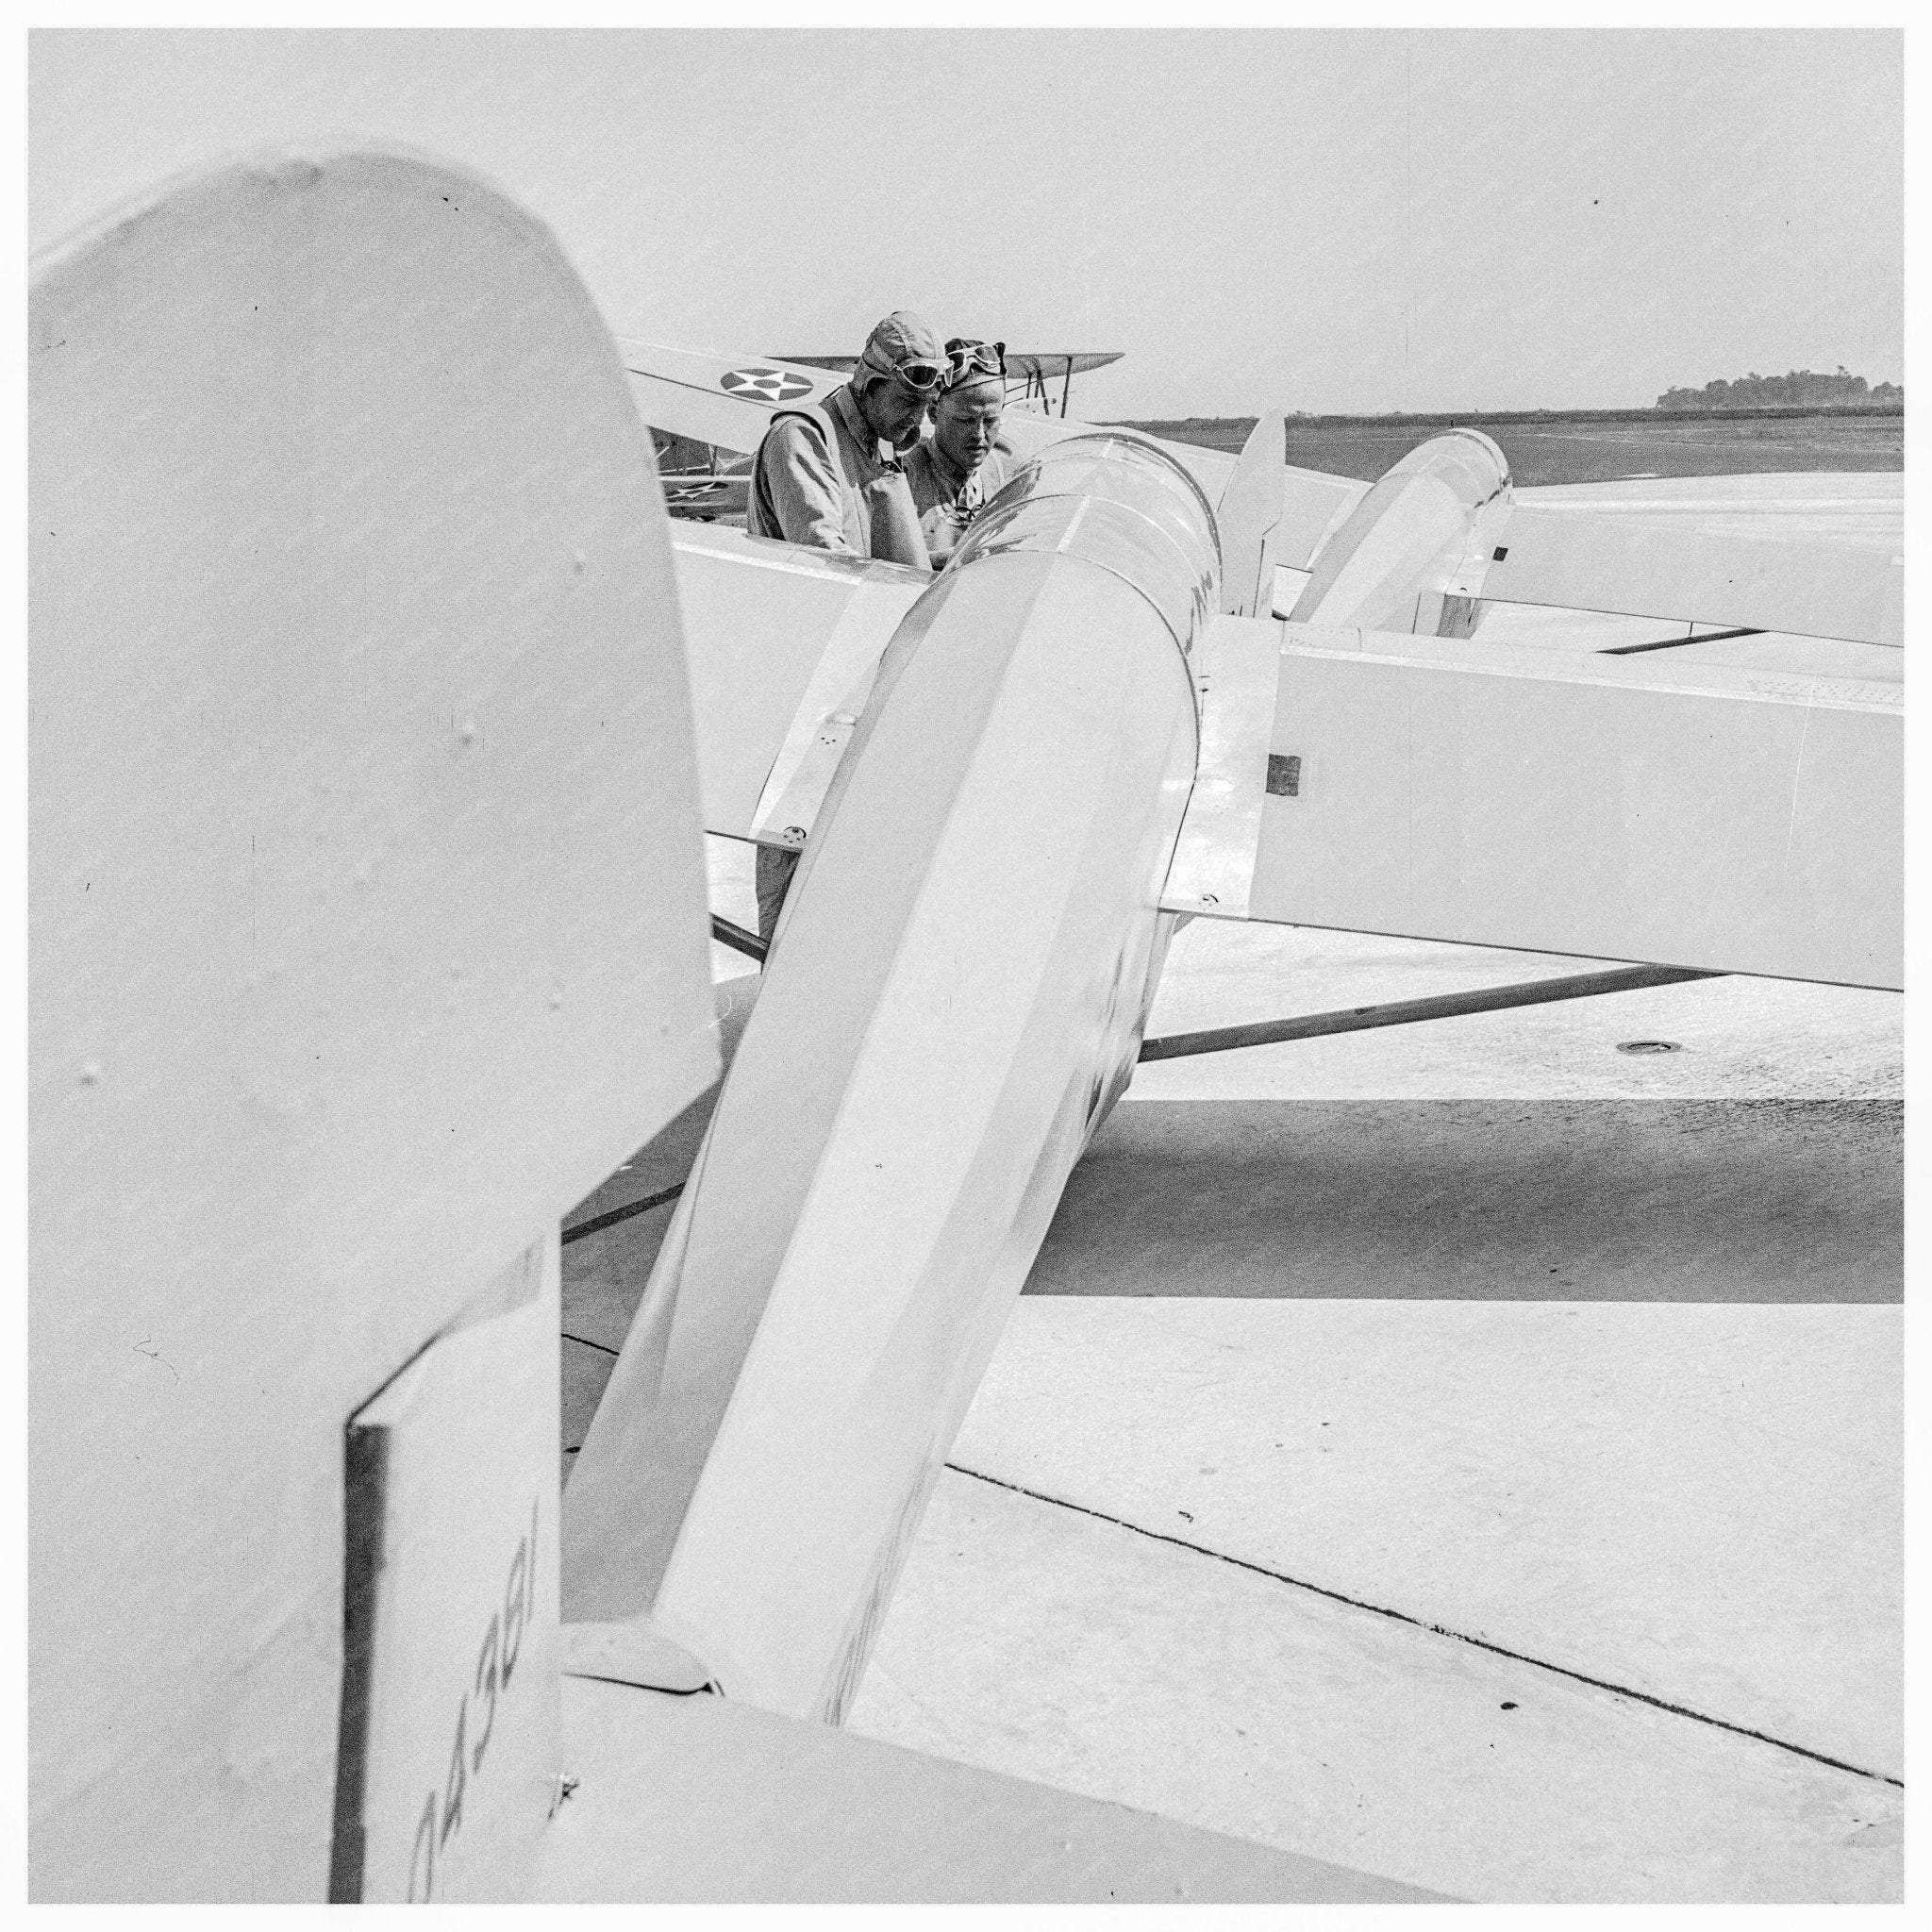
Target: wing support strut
[(1488, 999), (1709, 637), (737, 938), (630, 1211)]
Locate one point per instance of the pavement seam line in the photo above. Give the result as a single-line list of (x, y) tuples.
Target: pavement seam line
[(1434, 1629)]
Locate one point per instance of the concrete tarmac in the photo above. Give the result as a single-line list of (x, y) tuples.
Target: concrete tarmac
[(1463, 1451), (1049, 1644)]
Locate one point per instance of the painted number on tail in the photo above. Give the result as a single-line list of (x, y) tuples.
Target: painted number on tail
[(496, 1661)]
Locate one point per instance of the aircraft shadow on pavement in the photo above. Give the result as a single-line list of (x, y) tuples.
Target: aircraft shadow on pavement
[(1507, 1200)]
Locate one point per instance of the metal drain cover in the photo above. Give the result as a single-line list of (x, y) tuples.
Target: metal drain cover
[(1648, 1046)]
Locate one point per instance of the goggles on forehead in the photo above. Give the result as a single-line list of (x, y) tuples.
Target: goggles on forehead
[(920, 374), (966, 359)]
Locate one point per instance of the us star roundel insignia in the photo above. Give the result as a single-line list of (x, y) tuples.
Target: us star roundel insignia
[(764, 384)]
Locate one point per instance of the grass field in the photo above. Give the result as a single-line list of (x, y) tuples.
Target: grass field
[(1579, 448), (1582, 449)]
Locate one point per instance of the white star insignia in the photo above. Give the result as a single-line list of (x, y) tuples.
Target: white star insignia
[(765, 385)]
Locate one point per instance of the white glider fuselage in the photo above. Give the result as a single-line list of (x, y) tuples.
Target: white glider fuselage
[(954, 996)]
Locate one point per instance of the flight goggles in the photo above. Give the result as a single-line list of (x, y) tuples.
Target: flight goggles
[(966, 359), (920, 374)]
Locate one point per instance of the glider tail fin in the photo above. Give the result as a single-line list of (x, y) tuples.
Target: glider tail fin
[(1249, 515)]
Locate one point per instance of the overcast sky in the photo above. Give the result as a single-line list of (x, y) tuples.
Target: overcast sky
[(1324, 221)]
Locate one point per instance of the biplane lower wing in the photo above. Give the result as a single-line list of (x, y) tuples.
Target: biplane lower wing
[(1683, 814)]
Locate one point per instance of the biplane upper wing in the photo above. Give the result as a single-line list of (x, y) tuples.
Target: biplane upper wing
[(725, 400), (1020, 363)]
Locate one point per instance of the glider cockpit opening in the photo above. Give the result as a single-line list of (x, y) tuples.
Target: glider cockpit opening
[(1121, 503)]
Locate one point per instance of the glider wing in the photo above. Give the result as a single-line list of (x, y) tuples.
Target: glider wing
[(1677, 813), (782, 643), (1822, 563)]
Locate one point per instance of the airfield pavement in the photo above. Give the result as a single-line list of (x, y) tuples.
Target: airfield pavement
[(1463, 1451)]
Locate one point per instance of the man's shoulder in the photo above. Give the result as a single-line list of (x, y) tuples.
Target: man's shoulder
[(798, 433), (798, 422)]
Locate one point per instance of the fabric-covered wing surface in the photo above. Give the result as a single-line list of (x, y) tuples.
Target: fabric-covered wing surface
[(1681, 814), (1581, 560), (782, 642), (726, 400), (1815, 553)]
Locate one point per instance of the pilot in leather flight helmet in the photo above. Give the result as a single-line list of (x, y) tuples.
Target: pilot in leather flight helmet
[(966, 418), (898, 376)]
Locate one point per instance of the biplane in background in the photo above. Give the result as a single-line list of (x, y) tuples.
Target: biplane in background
[(701, 481), (377, 714), (706, 483), (1028, 372)]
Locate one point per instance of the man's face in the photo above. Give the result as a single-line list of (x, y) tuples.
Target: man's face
[(966, 421), (894, 409)]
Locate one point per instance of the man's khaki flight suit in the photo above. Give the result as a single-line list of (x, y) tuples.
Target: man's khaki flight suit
[(823, 478)]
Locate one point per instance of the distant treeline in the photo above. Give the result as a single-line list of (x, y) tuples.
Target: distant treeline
[(1802, 389), (1229, 431)]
